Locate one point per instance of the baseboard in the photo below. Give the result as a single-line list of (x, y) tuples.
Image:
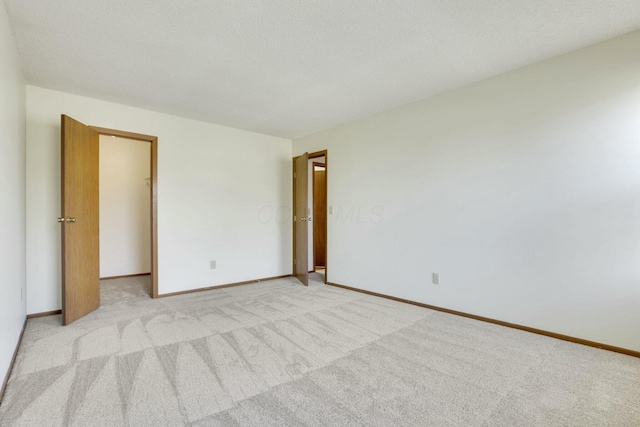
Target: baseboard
[(44, 314), (229, 285), (190, 291), (500, 322), (124, 276), (13, 360)]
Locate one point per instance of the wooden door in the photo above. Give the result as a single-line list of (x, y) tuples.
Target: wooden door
[(319, 215), (300, 215), (80, 220)]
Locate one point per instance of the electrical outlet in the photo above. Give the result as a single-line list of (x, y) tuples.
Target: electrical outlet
[(330, 210), (212, 264), (21, 293), (435, 278)]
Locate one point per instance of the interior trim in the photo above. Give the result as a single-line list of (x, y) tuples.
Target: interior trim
[(123, 134), (13, 360), (44, 314), (315, 155), (125, 275), (154, 195), (602, 346), (228, 285)]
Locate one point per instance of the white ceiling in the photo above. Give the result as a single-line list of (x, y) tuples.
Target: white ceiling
[(294, 67)]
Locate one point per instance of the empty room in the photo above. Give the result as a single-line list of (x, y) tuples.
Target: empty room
[(320, 213)]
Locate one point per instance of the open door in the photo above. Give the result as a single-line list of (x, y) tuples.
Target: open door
[(80, 220), (300, 217)]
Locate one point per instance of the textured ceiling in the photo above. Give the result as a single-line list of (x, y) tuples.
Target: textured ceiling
[(294, 67)]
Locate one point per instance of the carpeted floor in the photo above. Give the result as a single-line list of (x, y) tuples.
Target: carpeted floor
[(279, 354), (125, 289)]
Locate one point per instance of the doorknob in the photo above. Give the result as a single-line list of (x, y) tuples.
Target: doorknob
[(70, 220), (60, 219)]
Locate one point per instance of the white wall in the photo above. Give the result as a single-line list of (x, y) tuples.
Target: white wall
[(12, 189), (522, 191), (311, 208), (218, 189), (125, 211)]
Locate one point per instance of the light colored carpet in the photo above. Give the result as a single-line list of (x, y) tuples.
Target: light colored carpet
[(281, 354), (318, 276), (125, 290)]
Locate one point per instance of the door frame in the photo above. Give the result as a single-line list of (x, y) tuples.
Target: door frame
[(313, 197), (314, 155), (153, 140)]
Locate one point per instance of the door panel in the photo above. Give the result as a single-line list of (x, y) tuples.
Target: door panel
[(319, 216), (301, 213), (80, 220)]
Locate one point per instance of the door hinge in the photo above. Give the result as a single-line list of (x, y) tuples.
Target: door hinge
[(295, 175), (294, 261)]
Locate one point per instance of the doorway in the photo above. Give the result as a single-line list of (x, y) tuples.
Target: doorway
[(310, 253), (125, 219), (80, 215), (150, 186), (318, 205)]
